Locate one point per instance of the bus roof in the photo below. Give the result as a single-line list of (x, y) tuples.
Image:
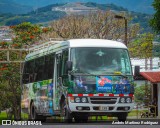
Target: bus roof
[(60, 45), (95, 43)]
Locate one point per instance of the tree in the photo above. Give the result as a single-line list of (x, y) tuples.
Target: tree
[(10, 88), (142, 92), (100, 25), (156, 50), (24, 34), (142, 46), (139, 93), (27, 34), (155, 21)]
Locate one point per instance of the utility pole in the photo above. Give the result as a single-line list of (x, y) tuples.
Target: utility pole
[(126, 26)]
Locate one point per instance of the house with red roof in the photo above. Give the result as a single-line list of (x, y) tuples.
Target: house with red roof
[(154, 78)]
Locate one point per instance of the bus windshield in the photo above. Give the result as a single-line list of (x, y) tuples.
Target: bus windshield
[(100, 61)]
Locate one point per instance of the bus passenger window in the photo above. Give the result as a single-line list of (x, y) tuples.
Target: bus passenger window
[(49, 66), (31, 67), (64, 61), (59, 65), (39, 68)]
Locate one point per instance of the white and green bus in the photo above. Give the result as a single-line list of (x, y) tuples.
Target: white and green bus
[(76, 79)]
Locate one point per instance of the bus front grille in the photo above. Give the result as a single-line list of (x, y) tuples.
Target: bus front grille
[(105, 100)]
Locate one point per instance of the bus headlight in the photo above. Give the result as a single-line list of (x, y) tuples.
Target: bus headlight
[(84, 100), (128, 100), (77, 100), (122, 100)]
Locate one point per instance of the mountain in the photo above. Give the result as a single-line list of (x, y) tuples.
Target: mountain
[(49, 13), (9, 6), (56, 11), (143, 6)]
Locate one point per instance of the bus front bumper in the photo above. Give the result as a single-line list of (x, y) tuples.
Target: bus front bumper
[(100, 108)]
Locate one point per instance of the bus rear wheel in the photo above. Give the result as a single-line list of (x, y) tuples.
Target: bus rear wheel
[(34, 116)]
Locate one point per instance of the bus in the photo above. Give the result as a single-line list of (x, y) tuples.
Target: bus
[(76, 79)]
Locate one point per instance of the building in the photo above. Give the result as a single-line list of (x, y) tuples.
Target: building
[(149, 74), (154, 78), (5, 33)]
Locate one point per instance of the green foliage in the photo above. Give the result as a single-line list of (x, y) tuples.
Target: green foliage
[(3, 116), (10, 89), (36, 17), (143, 20), (4, 102), (139, 93), (27, 33), (155, 21), (142, 46), (156, 50)]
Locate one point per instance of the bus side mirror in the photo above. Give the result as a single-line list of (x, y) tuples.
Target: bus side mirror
[(137, 71), (69, 65)]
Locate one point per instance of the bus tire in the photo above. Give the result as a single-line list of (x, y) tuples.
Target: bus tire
[(34, 116), (122, 117), (67, 115), (81, 118)]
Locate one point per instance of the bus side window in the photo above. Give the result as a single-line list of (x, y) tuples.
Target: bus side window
[(30, 68), (64, 61), (49, 66), (39, 69), (59, 65), (46, 67)]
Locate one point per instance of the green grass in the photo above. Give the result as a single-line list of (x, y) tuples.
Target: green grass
[(136, 112), (24, 116), (3, 116)]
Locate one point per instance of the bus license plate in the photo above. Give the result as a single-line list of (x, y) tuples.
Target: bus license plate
[(103, 108)]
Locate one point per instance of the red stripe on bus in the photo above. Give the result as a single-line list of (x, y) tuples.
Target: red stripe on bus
[(80, 94), (121, 95), (131, 95), (90, 94), (70, 95), (111, 94), (101, 94)]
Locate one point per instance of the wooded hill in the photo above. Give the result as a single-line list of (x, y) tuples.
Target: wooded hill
[(45, 15)]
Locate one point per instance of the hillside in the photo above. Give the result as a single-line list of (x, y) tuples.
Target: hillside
[(143, 6), (9, 6), (46, 14), (40, 15)]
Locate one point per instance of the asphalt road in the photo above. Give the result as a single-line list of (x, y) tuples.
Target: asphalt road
[(132, 123), (85, 126), (95, 124)]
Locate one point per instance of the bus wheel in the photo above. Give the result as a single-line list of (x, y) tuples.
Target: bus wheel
[(67, 115), (81, 118), (34, 116), (122, 117)]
